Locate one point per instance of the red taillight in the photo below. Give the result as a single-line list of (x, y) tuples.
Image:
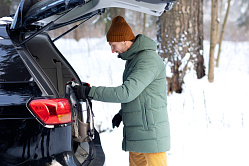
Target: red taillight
[(52, 111)]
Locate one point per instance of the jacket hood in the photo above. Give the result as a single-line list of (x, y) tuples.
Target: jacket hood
[(141, 43)]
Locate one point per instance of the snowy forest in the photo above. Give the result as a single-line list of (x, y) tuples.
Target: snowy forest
[(204, 45)]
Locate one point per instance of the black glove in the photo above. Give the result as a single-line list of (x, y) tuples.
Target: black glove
[(81, 91), (116, 120)]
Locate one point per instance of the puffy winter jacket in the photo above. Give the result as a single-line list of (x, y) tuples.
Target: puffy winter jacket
[(143, 99)]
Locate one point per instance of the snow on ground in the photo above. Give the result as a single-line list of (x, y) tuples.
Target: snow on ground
[(209, 121)]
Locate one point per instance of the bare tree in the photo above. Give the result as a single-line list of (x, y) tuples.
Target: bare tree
[(4, 7), (243, 20), (213, 33), (110, 14), (222, 33), (144, 23), (180, 41)]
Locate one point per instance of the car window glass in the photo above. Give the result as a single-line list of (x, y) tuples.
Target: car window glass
[(11, 66)]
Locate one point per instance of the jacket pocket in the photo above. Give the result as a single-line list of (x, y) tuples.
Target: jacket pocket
[(145, 119)]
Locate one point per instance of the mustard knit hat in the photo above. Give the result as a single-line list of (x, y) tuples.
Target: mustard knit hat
[(119, 31)]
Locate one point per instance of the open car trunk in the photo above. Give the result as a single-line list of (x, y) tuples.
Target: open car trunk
[(53, 65), (43, 12), (52, 72)]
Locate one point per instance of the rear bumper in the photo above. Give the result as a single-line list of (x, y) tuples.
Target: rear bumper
[(44, 153)]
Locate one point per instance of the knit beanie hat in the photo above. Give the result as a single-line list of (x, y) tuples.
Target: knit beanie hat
[(119, 31)]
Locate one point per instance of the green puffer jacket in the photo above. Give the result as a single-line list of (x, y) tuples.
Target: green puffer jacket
[(143, 97)]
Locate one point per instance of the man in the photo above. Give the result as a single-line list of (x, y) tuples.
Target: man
[(142, 96)]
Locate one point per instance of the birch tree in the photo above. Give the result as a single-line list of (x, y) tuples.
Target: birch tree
[(213, 34), (222, 33)]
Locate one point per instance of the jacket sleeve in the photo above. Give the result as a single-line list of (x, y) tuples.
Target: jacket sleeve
[(144, 72)]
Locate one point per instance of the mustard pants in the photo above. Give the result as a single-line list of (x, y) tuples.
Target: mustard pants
[(148, 159)]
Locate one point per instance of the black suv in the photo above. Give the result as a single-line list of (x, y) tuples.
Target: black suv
[(41, 121)]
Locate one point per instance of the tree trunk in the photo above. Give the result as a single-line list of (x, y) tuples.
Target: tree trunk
[(180, 41), (110, 14), (220, 10), (144, 23), (77, 32), (213, 33), (4, 8), (222, 33)]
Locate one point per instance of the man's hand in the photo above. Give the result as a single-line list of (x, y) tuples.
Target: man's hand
[(81, 91), (116, 120)]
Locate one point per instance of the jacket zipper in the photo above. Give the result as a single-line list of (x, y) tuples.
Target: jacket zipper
[(125, 139), (146, 120)]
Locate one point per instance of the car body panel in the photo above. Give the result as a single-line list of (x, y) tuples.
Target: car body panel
[(23, 139), (26, 142)]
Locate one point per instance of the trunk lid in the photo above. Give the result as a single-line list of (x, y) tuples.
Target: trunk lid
[(64, 12)]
